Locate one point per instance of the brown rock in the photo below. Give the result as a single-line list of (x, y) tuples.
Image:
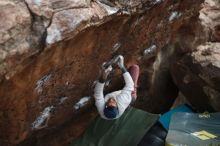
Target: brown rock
[(216, 33)]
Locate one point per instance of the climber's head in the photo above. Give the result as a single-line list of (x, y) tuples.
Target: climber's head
[(111, 108)]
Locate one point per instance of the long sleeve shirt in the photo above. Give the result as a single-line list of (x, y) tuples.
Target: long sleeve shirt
[(122, 97)]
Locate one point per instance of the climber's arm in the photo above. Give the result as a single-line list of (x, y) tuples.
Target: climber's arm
[(129, 84), (98, 92), (124, 99), (99, 97)]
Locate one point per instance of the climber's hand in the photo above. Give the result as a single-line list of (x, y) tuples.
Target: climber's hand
[(104, 74), (120, 61)]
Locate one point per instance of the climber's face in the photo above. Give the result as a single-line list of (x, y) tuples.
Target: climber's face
[(111, 102)]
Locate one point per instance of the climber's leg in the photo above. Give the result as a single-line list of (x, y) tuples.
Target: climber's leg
[(134, 71)]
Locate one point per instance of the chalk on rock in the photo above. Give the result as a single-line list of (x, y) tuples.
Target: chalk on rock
[(174, 15), (62, 99), (116, 46), (150, 52), (42, 120), (40, 83), (82, 102)]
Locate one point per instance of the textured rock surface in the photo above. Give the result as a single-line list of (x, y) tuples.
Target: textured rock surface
[(197, 74), (14, 32), (51, 51)]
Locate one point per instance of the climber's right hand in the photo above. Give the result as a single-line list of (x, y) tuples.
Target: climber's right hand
[(120, 62)]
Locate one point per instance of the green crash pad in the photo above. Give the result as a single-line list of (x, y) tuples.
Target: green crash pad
[(190, 129), (127, 130)]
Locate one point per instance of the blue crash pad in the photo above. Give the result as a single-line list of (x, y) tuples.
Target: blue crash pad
[(166, 117)]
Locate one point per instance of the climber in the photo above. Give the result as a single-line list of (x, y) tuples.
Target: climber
[(114, 104)]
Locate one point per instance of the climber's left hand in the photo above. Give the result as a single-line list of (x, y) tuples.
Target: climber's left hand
[(104, 75)]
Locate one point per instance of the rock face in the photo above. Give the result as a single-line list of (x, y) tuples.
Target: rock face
[(51, 51), (196, 73)]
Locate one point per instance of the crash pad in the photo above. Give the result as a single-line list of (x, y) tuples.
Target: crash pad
[(166, 117), (127, 130), (190, 129)]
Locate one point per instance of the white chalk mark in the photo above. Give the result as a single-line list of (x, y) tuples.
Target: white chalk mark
[(43, 118), (174, 15), (54, 34), (116, 46), (38, 2), (62, 99), (108, 9), (40, 83), (82, 102), (157, 2), (149, 52)]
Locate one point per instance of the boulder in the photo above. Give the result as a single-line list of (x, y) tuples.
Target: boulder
[(51, 52), (196, 69)]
